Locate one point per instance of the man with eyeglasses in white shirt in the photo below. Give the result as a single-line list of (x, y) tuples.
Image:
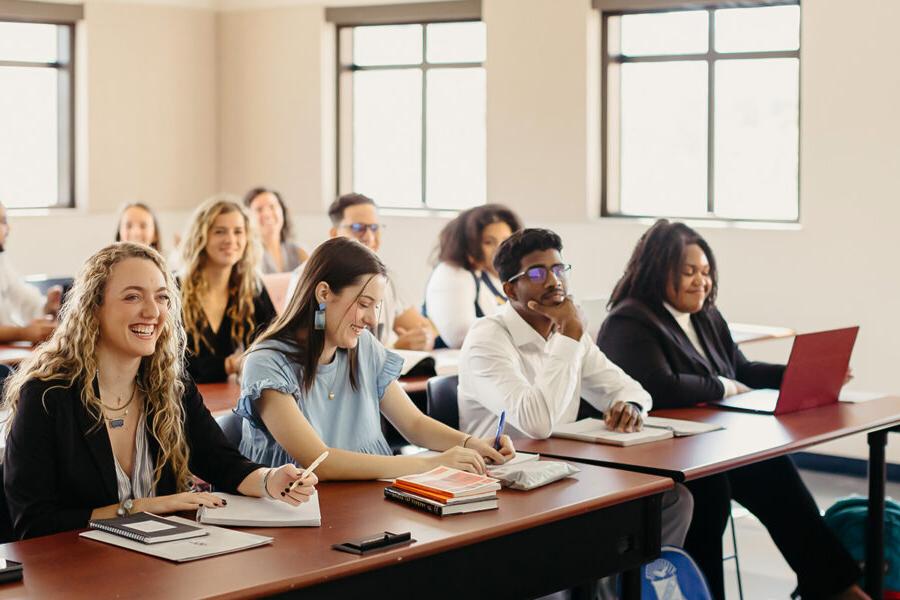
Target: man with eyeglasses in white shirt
[(400, 324), (534, 360)]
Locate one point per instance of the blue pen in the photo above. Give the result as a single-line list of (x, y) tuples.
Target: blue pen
[(500, 427)]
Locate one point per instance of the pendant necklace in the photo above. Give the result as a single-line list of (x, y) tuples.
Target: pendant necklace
[(117, 422)]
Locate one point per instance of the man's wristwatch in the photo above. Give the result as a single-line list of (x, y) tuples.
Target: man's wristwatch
[(125, 508)]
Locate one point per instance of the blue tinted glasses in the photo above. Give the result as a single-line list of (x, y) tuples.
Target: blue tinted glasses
[(359, 229), (539, 274)]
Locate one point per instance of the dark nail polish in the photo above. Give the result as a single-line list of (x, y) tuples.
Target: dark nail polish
[(287, 489), (224, 502), (282, 493)]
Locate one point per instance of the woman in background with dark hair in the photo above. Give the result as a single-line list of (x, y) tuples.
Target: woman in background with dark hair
[(281, 254), (464, 285), (665, 331), (318, 379)]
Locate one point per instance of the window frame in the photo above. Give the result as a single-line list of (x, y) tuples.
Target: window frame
[(65, 103), (344, 103), (610, 125)]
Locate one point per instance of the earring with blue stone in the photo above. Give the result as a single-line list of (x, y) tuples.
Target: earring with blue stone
[(319, 318)]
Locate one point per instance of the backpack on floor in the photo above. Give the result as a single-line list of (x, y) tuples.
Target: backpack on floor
[(673, 576), (847, 519)]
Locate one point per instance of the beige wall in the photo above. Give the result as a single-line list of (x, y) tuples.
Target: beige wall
[(275, 127)]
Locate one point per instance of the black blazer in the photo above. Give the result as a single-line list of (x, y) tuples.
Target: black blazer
[(209, 365), (58, 466), (650, 346)]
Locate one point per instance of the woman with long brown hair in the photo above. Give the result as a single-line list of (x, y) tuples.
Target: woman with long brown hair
[(225, 303), (280, 253), (104, 420), (318, 379)]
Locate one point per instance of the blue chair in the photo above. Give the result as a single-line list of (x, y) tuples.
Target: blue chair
[(231, 427), (440, 400)]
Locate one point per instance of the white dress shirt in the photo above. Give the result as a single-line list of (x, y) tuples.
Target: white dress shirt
[(684, 321), (20, 303), (450, 298), (506, 365)]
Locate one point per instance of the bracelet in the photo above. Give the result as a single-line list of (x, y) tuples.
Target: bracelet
[(466, 440), (266, 484)]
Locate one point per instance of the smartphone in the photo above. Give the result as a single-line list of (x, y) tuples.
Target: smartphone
[(10, 570)]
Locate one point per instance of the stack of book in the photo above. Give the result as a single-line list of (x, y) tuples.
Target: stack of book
[(445, 491)]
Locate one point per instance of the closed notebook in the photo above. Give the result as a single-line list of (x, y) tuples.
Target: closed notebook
[(595, 430), (148, 528), (242, 511), (446, 482), (453, 507), (215, 541)]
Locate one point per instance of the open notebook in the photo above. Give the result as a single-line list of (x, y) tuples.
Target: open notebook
[(655, 428), (242, 511)]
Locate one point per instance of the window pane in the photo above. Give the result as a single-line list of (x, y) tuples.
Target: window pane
[(28, 137), (456, 42), (456, 138), (35, 42), (387, 45), (663, 138), (758, 29), (685, 32), (757, 135), (387, 136)]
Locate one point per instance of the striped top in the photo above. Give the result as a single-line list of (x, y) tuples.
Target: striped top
[(140, 485)]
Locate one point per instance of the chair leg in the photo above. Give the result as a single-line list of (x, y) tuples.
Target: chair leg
[(737, 562)]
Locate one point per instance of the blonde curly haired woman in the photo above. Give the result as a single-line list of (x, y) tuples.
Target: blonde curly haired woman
[(104, 420), (225, 303)]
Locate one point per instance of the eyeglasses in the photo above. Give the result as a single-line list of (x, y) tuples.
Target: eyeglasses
[(359, 229), (539, 274)]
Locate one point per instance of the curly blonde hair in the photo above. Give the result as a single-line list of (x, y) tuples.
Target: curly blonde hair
[(69, 356), (243, 284)]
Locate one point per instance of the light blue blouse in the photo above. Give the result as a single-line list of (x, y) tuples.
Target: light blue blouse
[(351, 421)]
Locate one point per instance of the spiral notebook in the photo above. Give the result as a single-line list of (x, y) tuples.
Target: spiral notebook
[(147, 528)]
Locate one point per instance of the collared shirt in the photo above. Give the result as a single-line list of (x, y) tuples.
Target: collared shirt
[(20, 303), (140, 484), (684, 321), (506, 365), (451, 297)]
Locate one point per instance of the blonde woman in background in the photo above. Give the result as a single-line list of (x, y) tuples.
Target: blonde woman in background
[(104, 420), (224, 302)]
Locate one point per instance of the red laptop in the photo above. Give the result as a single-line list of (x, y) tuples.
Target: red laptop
[(813, 377)]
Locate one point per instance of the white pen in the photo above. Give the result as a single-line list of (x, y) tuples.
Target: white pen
[(308, 471)]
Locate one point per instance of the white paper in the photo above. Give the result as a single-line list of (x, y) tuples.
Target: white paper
[(243, 511)]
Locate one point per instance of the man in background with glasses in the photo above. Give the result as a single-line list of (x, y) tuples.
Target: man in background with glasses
[(400, 324)]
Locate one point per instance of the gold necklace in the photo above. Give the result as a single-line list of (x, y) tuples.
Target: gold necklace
[(117, 422)]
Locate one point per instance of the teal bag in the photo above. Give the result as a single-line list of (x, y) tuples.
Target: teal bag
[(847, 519)]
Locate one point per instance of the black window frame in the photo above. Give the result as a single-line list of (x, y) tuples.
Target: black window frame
[(610, 207), (65, 68), (344, 107)]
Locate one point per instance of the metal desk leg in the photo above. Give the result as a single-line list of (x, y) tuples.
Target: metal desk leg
[(874, 569)]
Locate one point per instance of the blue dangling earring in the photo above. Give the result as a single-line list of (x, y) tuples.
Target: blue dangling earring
[(319, 318)]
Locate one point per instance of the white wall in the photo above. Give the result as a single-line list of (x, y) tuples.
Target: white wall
[(272, 81)]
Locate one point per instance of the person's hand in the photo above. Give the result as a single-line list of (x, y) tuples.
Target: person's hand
[(848, 376), (279, 485), (54, 299), (566, 317), (625, 417), (234, 362), (457, 457), (485, 447), (176, 502), (740, 387), (38, 330), (417, 338)]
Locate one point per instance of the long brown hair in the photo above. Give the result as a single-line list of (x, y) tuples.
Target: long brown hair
[(656, 259), (339, 262), (156, 243), (243, 284), (459, 243), (69, 356)]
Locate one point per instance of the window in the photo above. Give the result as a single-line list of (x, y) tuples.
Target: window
[(701, 113), (36, 129), (411, 124)]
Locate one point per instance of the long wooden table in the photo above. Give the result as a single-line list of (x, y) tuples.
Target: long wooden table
[(570, 532), (749, 438)]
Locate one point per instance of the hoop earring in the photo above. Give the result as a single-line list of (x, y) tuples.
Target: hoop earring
[(319, 317)]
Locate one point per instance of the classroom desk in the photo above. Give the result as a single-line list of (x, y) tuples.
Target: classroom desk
[(13, 354), (744, 333), (749, 438), (223, 397), (572, 531)]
